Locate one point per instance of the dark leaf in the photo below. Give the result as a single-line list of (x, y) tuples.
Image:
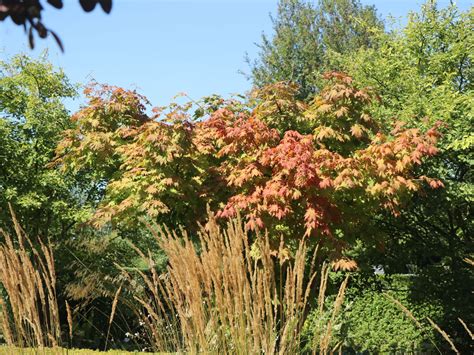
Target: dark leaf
[(58, 4), (58, 41), (34, 10), (18, 18), (88, 5), (31, 39), (27, 13), (42, 31), (106, 5)]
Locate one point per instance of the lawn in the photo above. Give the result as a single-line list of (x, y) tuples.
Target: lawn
[(5, 350)]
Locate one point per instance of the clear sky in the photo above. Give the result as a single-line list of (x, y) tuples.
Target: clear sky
[(162, 47)]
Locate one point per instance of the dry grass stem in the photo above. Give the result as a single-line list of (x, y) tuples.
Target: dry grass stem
[(326, 339), (444, 335), (69, 320), (224, 296), (404, 309), (467, 328), (29, 314)]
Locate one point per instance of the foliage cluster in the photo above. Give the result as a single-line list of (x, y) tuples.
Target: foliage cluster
[(169, 166), (33, 117), (425, 70)]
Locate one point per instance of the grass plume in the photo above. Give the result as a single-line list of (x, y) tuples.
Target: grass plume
[(226, 295), (29, 313)]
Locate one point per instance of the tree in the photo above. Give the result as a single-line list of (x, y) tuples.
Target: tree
[(307, 38), (424, 73), (27, 13), (147, 165), (32, 117), (321, 183)]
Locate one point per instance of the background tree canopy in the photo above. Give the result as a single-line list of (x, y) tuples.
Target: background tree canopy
[(307, 36), (32, 119)]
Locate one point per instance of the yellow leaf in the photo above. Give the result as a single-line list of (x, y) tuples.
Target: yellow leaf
[(356, 131)]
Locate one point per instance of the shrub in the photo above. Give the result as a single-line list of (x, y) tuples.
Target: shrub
[(381, 316)]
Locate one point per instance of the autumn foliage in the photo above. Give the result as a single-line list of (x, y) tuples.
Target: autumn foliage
[(292, 167)]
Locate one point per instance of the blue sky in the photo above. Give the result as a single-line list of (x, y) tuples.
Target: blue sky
[(162, 47)]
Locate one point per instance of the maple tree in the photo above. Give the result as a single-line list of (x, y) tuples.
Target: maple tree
[(423, 72), (242, 156), (146, 164), (315, 182)]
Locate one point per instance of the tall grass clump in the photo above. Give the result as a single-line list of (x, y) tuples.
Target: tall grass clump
[(224, 293), (29, 315)]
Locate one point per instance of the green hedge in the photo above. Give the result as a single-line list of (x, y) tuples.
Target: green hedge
[(372, 323)]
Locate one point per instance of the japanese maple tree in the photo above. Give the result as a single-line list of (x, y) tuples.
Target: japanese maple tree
[(297, 169), (323, 181)]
